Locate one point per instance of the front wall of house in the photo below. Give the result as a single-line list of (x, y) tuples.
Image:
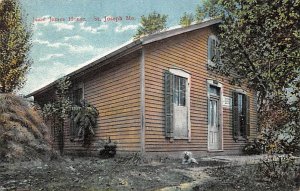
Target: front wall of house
[(187, 52)]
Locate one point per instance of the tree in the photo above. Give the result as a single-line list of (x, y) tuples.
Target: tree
[(260, 45), (14, 46), (186, 19), (150, 24), (260, 41), (59, 110), (209, 9)]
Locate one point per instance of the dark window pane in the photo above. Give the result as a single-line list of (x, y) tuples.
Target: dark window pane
[(214, 52), (214, 90), (77, 96), (241, 113), (211, 49), (180, 91), (240, 104)]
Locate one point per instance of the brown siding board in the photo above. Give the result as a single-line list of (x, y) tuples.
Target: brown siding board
[(115, 92), (187, 52)]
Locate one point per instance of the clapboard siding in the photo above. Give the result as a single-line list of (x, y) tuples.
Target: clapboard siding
[(115, 92), (187, 52)]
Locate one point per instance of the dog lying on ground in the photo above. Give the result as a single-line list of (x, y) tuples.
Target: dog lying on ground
[(188, 158)]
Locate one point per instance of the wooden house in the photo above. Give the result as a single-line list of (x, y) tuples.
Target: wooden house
[(159, 95)]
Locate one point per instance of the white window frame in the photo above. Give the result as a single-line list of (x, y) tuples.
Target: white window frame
[(210, 38), (184, 74), (241, 91), (219, 85)]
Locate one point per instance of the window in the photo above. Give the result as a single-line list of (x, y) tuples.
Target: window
[(241, 113), (213, 53), (77, 96), (214, 90), (179, 90), (177, 118), (213, 113)]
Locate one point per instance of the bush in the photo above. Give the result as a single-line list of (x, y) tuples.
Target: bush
[(23, 133), (283, 141), (250, 177), (109, 149), (279, 169), (85, 117), (255, 147)]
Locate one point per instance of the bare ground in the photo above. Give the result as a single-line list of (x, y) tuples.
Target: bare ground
[(124, 174)]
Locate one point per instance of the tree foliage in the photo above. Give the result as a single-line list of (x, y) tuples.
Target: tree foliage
[(150, 24), (186, 19), (260, 41), (208, 10), (260, 45), (85, 117), (59, 109), (14, 46)]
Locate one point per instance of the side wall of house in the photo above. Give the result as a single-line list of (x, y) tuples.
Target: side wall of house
[(187, 52), (115, 92)]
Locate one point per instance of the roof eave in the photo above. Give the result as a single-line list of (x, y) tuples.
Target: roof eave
[(174, 32), (137, 44)]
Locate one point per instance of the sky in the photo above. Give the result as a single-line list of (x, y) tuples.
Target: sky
[(68, 34)]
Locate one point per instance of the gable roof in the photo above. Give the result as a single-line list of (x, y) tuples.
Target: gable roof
[(127, 49)]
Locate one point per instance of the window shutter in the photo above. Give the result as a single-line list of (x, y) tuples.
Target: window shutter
[(235, 116), (169, 80), (247, 100)]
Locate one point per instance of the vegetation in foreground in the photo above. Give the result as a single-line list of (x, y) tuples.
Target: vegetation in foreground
[(248, 177), (23, 133), (131, 173)]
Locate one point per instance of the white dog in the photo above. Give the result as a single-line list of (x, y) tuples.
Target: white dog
[(188, 158)]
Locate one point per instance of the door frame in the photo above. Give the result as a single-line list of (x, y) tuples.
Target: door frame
[(215, 83), (182, 73)]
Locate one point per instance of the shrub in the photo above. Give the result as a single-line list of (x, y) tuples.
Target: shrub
[(85, 117), (283, 141), (23, 133), (255, 147), (278, 168), (109, 149)]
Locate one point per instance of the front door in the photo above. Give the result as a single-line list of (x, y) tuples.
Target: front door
[(214, 138)]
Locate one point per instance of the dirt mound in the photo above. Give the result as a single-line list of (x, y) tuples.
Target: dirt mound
[(23, 133)]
